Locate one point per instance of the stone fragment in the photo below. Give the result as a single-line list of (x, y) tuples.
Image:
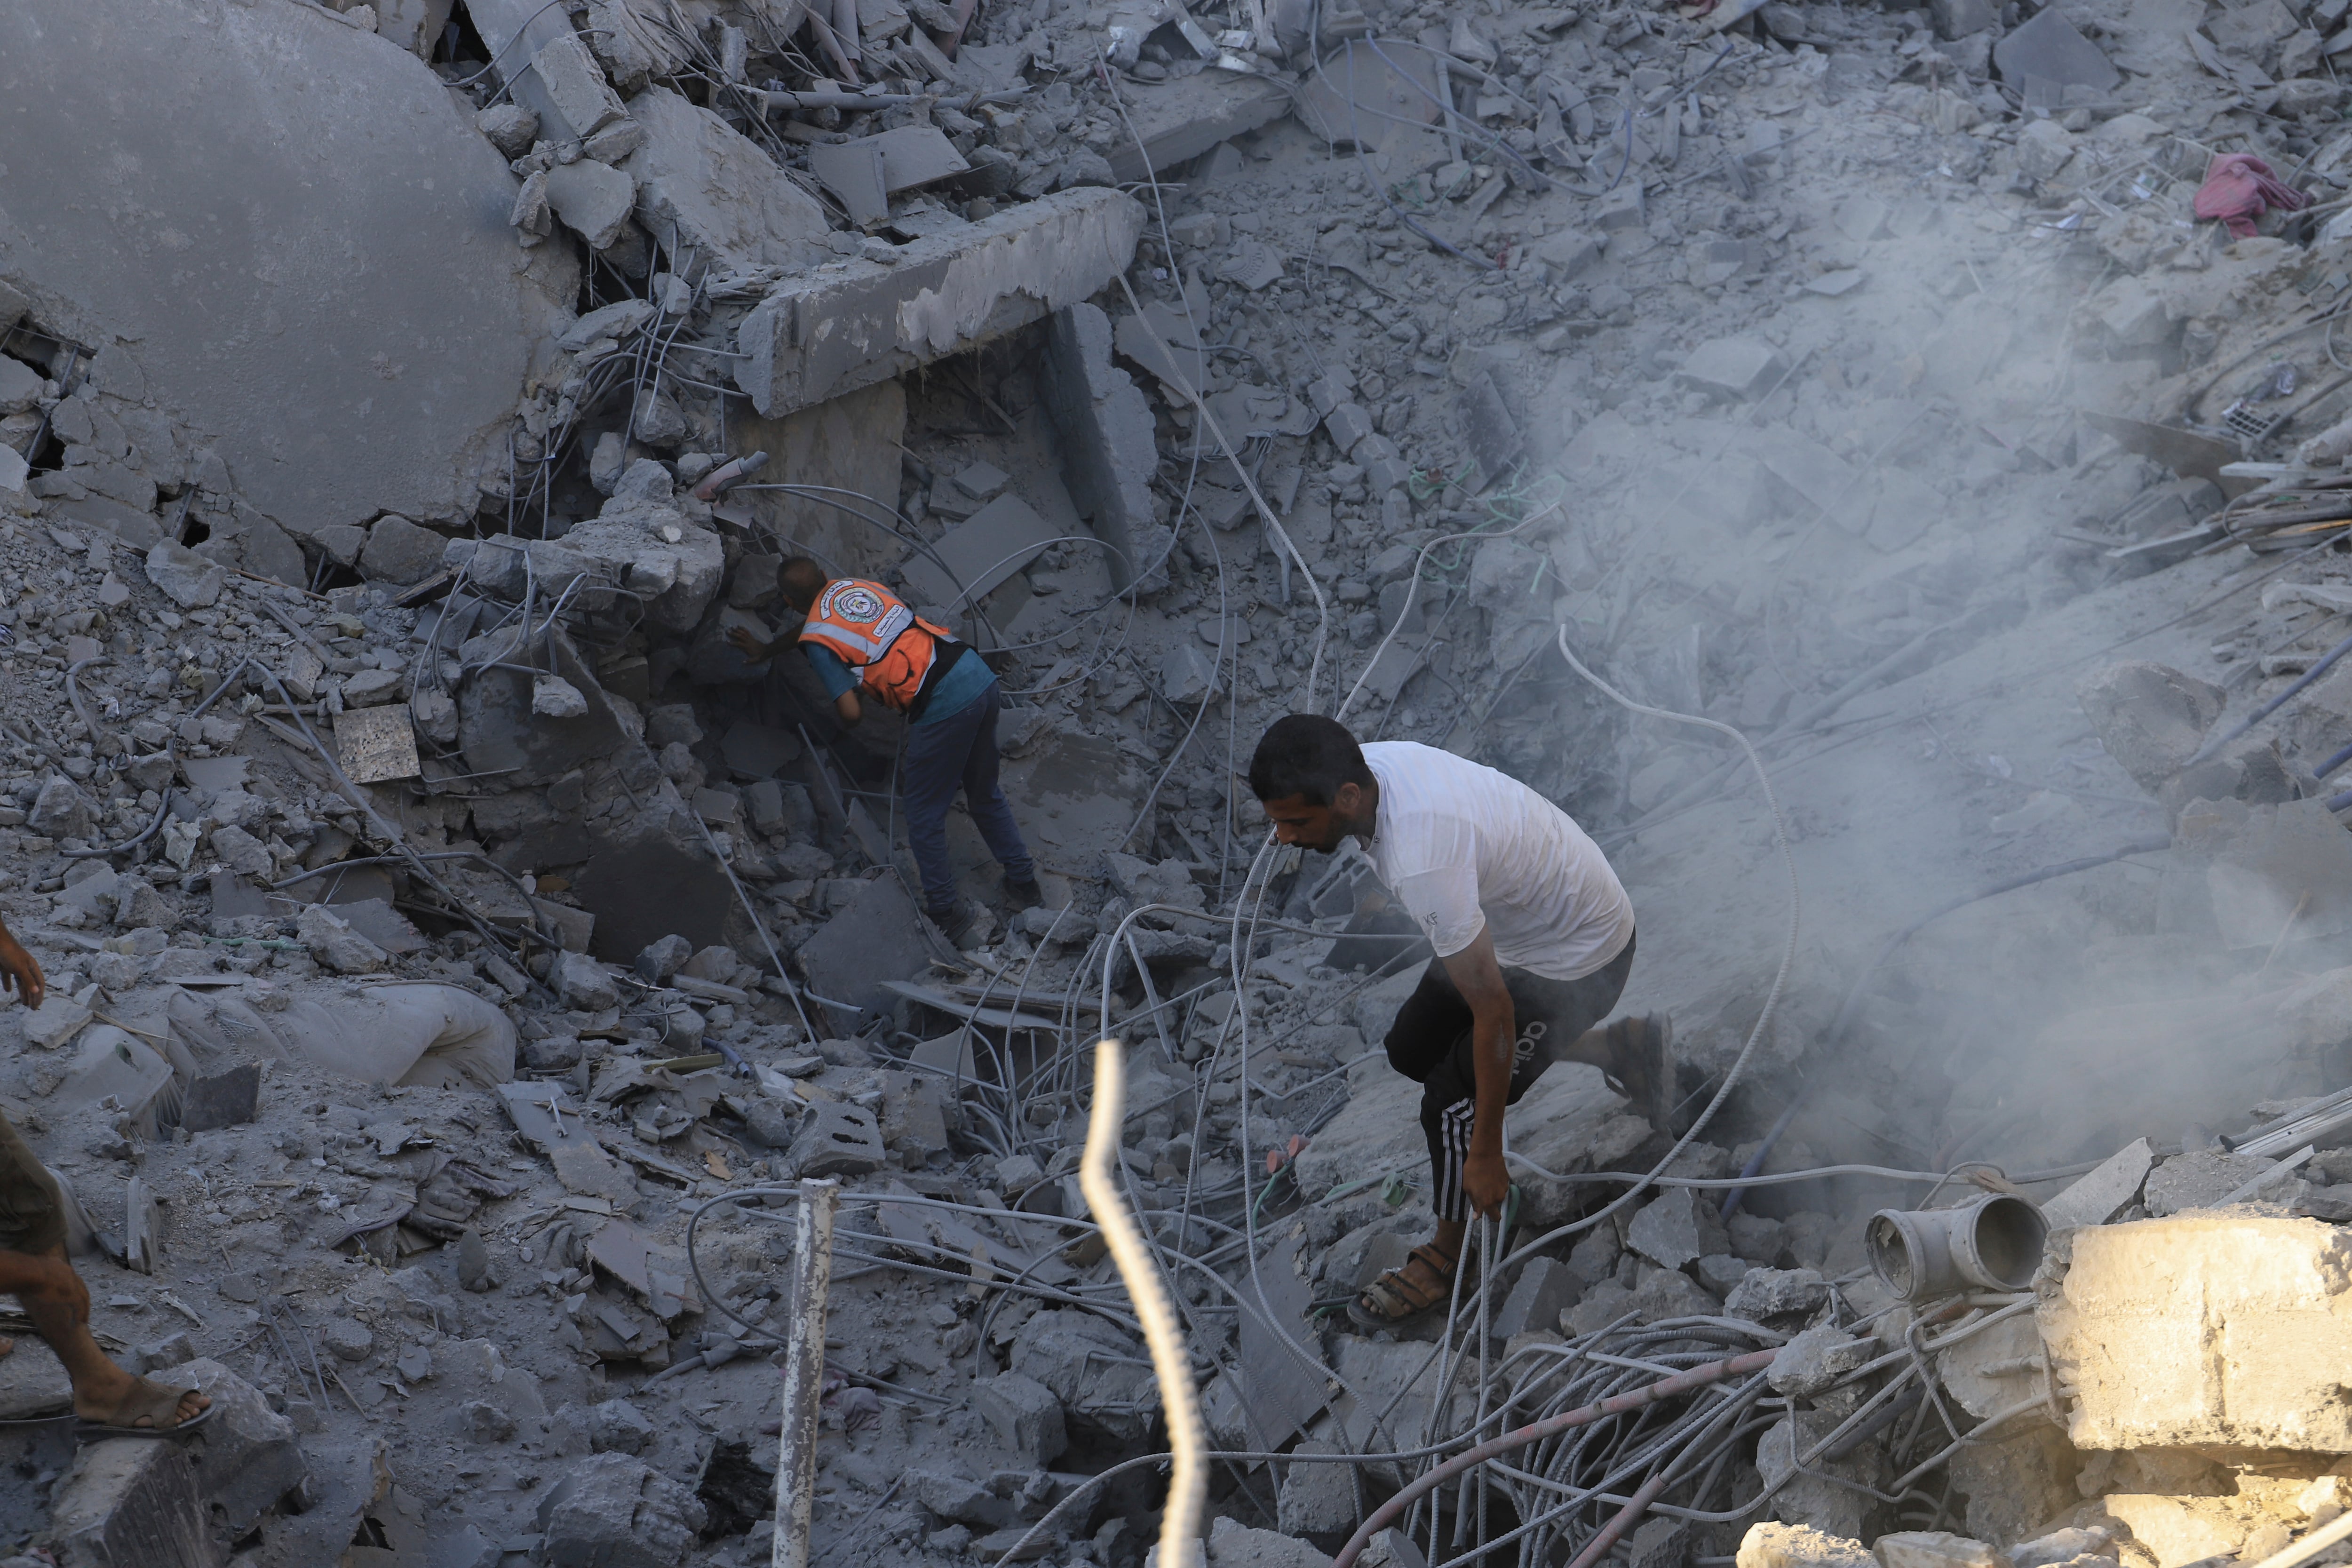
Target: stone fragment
[(611, 1511), (1545, 1288), (1677, 1227), (1738, 367), (131, 1502), (617, 1426), (2150, 717), (399, 550), (1175, 122), (2017, 1483), (1659, 1543), (1962, 18), (1826, 1495), (595, 199), (1774, 1545), (705, 187), (336, 946), (662, 959), (838, 1139), (1235, 1545), (350, 1339), (2047, 49), (1100, 1374), (510, 127), (2094, 1198), (1814, 1360), (186, 578), (60, 810), (1316, 1501), (473, 1262), (1768, 1293), (1026, 1416), (583, 984), (1934, 1548)]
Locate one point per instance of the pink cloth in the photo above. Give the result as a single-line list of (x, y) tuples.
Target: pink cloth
[(2239, 188)]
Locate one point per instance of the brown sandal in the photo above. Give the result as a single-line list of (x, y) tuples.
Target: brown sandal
[(1425, 1281)]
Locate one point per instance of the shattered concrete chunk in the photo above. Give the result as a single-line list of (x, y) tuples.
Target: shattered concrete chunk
[(190, 581), (703, 187), (1741, 367), (2047, 49), (1933, 1549), (595, 199), (2150, 717), (1768, 1293), (1025, 1415), (1235, 1545), (611, 1511), (132, 1500), (584, 984), (1677, 1227), (338, 947), (1109, 450), (834, 330), (1773, 1545), (1814, 1359)]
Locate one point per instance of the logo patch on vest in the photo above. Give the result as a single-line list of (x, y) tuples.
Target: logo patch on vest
[(857, 605)]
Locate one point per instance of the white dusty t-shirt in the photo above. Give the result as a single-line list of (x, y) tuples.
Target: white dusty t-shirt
[(1463, 846)]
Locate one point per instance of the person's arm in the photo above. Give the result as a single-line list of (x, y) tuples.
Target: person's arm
[(18, 969), (838, 679), (1494, 1031)]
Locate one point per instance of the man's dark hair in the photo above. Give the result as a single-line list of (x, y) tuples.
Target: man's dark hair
[(800, 579), (1310, 755)]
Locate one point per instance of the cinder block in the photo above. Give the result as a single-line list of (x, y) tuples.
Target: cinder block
[(2206, 1328)]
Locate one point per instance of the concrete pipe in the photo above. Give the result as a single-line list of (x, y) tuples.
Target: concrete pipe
[(1993, 1243)]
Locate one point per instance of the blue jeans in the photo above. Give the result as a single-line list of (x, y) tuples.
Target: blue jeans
[(959, 751)]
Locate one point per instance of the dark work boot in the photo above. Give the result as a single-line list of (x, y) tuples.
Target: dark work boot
[(1025, 895), (954, 922)]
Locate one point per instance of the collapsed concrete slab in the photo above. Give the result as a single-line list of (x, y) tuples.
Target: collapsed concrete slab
[(852, 323), (1180, 119), (2209, 1327), (1109, 450), (318, 279)]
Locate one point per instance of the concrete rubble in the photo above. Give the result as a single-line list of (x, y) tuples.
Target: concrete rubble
[(457, 950)]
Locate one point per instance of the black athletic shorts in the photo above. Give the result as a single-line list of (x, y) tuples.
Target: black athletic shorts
[(1429, 1042), (32, 1213)]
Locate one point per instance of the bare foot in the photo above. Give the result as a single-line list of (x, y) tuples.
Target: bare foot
[(140, 1403)]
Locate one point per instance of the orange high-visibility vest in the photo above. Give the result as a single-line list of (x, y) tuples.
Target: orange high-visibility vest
[(894, 651)]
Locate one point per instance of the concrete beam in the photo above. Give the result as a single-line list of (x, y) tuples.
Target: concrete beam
[(852, 323)]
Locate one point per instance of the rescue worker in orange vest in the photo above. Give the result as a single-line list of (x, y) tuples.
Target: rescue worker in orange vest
[(860, 638)]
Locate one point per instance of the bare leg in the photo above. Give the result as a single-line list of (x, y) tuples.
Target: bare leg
[(56, 1300)]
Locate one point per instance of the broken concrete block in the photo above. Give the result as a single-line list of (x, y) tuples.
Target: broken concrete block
[(2150, 717), (871, 939), (230, 1098), (248, 1456), (583, 984), (1096, 1372), (132, 1502), (1024, 1415), (1738, 367), (398, 550), (838, 1139), (703, 187), (2015, 1484), (1316, 1502), (1176, 122), (186, 578), (825, 332), (2097, 1197), (1768, 1293), (1678, 1226), (660, 960), (1934, 1548), (336, 946), (1773, 1545), (2047, 49), (611, 1511), (677, 566), (1814, 1359), (511, 126), (1110, 451), (2221, 1330), (594, 199), (575, 84), (1545, 1288)]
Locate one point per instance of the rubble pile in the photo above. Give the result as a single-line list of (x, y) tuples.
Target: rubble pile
[(457, 948)]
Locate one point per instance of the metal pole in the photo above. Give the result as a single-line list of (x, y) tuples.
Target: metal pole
[(803, 1374)]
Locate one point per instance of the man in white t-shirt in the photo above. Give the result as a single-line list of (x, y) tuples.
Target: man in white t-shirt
[(1534, 938)]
